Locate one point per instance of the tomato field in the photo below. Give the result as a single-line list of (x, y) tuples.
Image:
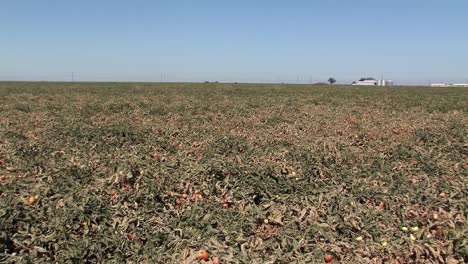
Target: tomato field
[(232, 173)]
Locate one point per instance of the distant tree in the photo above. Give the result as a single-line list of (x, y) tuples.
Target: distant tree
[(331, 80)]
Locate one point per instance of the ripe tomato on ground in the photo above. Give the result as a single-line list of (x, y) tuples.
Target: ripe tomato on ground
[(203, 255), (125, 186)]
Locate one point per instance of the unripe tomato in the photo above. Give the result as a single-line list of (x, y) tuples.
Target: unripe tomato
[(32, 200)]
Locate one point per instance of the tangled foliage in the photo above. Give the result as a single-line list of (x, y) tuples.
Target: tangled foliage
[(97, 172)]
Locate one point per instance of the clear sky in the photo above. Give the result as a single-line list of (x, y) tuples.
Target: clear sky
[(409, 41)]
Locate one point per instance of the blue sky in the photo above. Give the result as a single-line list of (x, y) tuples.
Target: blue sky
[(409, 41)]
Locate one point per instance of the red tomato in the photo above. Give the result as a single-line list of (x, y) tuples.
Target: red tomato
[(328, 258), (178, 202), (129, 236), (215, 260), (204, 255)]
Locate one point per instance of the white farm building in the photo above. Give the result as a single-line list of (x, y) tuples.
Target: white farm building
[(449, 85), (373, 82)]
